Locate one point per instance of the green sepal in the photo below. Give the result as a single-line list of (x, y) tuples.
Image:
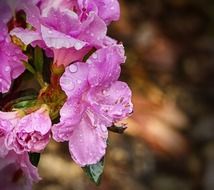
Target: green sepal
[(117, 129), (34, 158), (95, 171), (24, 102), (21, 103), (38, 59), (29, 67)]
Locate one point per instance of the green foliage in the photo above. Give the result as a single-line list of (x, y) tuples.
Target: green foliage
[(117, 129), (34, 158), (95, 171), (38, 59)]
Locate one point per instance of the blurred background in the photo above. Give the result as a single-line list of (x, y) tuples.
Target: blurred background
[(169, 144)]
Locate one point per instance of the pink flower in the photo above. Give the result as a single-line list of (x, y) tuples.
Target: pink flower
[(7, 122), (62, 31), (95, 101), (31, 133), (17, 173), (11, 56), (107, 10), (11, 60)]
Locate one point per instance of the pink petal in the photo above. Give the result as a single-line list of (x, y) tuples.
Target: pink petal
[(104, 65), (27, 36), (108, 10), (56, 39), (74, 80), (17, 173), (93, 30), (70, 116), (87, 144), (11, 63), (65, 56), (31, 134), (112, 103)]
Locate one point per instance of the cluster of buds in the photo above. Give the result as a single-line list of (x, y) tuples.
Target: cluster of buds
[(58, 79)]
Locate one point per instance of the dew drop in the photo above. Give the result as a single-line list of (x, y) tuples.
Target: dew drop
[(7, 68), (78, 45), (94, 55), (50, 31), (89, 61), (79, 81), (103, 128), (92, 34), (73, 68), (14, 58), (112, 8), (67, 84), (7, 40)]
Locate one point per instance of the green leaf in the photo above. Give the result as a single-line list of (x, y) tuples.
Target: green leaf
[(38, 59), (25, 104), (95, 171), (29, 67), (117, 129), (34, 158), (22, 102)]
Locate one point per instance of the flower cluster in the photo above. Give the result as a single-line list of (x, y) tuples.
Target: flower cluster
[(64, 45)]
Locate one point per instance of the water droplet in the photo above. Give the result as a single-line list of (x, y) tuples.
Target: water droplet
[(89, 61), (7, 40), (67, 84), (14, 58), (50, 31), (73, 68), (112, 8), (78, 45), (92, 34), (94, 55), (79, 81), (103, 128), (7, 68)]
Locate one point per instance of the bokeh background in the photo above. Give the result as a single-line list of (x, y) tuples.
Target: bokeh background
[(169, 144)]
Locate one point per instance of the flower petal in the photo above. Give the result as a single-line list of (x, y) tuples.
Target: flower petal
[(112, 103), (11, 63), (25, 35), (108, 10), (87, 144), (56, 39), (93, 30), (17, 173), (74, 80), (31, 134), (104, 65)]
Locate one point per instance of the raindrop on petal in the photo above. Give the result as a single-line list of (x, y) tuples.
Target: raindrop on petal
[(73, 68), (94, 56)]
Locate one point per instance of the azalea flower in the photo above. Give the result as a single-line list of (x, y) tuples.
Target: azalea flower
[(31, 133), (11, 60), (95, 100), (17, 173), (11, 55), (7, 121), (65, 34), (107, 10)]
